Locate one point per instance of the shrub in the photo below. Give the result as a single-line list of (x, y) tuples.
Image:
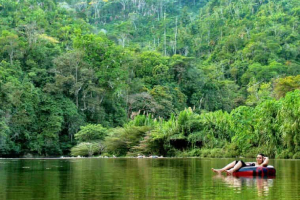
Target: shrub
[(195, 152), (182, 154), (105, 154), (284, 154), (205, 153), (122, 140), (231, 150), (86, 149), (91, 132), (252, 153), (296, 155), (217, 153)]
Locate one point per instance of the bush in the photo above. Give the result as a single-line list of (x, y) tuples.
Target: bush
[(122, 140), (28, 155), (296, 155), (182, 154), (231, 150), (217, 153), (131, 154), (284, 154), (231, 153), (86, 149), (195, 152), (205, 153), (172, 152), (252, 153), (91, 132), (105, 154)]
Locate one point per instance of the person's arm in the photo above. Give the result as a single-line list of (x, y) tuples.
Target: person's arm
[(266, 162)]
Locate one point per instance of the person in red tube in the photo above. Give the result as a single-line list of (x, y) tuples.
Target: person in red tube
[(261, 160)]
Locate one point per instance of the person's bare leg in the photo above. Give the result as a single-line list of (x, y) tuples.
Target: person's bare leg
[(235, 168), (219, 171)]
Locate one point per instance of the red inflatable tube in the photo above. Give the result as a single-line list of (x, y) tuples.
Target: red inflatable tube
[(256, 171)]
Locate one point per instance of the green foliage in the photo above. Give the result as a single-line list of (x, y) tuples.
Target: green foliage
[(258, 92), (296, 155), (5, 143), (285, 154), (289, 125), (86, 149), (287, 84), (122, 140), (244, 131), (91, 132), (68, 64), (142, 120)]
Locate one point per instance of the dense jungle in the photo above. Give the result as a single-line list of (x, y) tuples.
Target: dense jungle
[(207, 78)]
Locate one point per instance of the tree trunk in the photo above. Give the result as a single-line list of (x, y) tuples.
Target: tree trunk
[(175, 37), (165, 36)]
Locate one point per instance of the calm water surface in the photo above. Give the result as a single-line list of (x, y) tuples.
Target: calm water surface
[(125, 178)]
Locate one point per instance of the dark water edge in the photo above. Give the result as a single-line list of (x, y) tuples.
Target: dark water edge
[(131, 178)]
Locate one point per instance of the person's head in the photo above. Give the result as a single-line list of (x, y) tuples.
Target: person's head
[(260, 158)]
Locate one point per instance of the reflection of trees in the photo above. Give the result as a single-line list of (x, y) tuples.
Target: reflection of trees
[(132, 178), (262, 184)]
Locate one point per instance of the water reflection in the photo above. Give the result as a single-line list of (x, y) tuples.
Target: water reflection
[(135, 179), (262, 184)]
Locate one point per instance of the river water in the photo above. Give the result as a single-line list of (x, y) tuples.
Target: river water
[(144, 178)]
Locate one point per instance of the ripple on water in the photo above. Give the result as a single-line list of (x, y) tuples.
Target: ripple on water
[(131, 179)]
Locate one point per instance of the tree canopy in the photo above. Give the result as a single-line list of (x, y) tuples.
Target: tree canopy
[(118, 76)]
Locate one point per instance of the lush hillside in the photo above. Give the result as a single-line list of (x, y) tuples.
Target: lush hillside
[(68, 64)]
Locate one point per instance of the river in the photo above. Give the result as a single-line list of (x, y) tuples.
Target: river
[(144, 178)]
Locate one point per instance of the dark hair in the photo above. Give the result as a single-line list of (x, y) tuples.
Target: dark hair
[(263, 155)]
